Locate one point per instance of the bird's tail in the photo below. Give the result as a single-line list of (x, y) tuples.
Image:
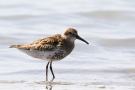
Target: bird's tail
[(15, 46)]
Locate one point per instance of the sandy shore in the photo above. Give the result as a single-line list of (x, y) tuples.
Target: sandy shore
[(38, 86), (62, 87)]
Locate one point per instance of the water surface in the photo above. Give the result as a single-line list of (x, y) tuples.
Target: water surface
[(108, 26)]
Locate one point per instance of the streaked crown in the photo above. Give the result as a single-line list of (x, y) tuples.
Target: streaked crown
[(71, 35)]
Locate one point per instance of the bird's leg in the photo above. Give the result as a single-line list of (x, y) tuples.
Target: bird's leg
[(47, 71), (52, 71)]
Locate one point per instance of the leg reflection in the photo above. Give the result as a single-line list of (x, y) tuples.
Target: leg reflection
[(49, 87)]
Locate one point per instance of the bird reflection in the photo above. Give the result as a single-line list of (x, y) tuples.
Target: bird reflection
[(49, 84), (49, 87)]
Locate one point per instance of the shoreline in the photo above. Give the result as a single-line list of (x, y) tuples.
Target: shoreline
[(35, 86)]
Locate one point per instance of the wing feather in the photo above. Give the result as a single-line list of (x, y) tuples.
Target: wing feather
[(48, 43)]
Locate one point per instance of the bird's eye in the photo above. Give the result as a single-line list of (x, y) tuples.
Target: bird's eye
[(70, 33)]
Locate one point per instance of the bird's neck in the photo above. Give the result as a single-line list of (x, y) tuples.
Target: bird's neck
[(70, 46)]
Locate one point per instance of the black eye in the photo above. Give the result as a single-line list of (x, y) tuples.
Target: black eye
[(70, 33)]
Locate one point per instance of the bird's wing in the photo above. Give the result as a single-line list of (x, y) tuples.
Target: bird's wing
[(48, 43)]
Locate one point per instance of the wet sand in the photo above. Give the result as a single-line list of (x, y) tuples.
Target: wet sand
[(34, 86)]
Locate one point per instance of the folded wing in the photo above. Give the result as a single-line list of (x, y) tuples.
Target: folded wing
[(44, 44)]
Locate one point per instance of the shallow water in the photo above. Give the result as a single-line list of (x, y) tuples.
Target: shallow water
[(108, 26)]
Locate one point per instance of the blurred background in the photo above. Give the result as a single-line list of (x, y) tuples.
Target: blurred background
[(108, 25)]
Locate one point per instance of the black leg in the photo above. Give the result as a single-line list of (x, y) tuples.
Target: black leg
[(47, 71), (52, 71)]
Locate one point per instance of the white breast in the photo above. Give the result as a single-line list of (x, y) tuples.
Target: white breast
[(44, 55)]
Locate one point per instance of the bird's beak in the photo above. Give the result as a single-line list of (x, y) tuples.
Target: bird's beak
[(78, 37)]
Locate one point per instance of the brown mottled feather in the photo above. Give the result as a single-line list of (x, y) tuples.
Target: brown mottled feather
[(48, 43)]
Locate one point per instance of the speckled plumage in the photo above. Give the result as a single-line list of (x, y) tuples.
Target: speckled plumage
[(51, 48), (56, 46)]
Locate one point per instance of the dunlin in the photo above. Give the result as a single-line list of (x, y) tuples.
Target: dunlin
[(52, 48)]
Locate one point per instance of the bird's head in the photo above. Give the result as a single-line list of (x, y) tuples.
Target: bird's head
[(71, 34)]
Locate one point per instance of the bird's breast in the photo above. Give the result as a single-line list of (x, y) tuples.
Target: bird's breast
[(57, 53)]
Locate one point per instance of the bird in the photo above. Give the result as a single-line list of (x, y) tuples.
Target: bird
[(53, 48)]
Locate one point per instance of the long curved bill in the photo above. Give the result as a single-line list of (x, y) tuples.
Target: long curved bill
[(78, 37)]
